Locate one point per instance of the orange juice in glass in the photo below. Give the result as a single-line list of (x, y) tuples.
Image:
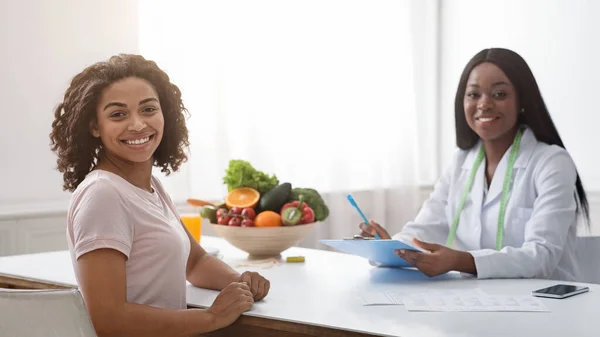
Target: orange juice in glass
[(193, 222)]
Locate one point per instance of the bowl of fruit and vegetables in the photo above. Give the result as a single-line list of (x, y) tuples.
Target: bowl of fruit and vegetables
[(262, 216)]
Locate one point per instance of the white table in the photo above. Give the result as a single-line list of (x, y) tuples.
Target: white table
[(321, 292)]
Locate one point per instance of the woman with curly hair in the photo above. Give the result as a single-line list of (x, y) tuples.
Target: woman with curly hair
[(130, 251)]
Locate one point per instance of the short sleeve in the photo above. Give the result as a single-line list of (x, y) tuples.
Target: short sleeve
[(99, 219)]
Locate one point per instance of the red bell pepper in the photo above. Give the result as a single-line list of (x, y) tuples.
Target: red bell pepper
[(308, 215)]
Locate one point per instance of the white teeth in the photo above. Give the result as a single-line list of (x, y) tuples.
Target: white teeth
[(486, 119), (138, 141)]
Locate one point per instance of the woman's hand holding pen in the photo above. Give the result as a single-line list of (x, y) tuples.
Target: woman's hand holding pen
[(440, 260), (369, 230)]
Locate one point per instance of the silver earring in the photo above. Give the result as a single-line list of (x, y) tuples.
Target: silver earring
[(522, 110)]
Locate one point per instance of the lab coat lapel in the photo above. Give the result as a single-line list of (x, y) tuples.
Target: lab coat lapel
[(476, 193), (470, 222), (498, 181), (528, 143), (471, 217)]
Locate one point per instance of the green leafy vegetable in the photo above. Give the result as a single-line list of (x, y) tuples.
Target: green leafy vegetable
[(313, 199), (241, 174)]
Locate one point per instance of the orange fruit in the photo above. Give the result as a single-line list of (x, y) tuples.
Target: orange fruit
[(267, 219), (242, 197)]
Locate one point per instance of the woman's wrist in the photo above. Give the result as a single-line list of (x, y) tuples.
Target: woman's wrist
[(209, 320), (466, 263)]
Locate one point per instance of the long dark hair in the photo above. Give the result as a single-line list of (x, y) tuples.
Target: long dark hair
[(535, 114)]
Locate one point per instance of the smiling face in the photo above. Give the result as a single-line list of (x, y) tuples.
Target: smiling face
[(129, 120), (490, 103)]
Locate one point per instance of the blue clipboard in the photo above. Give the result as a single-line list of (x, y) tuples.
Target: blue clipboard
[(380, 252)]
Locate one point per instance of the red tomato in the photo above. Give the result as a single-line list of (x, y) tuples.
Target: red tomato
[(247, 222), (236, 210), (221, 212), (235, 221), (223, 220), (248, 213)]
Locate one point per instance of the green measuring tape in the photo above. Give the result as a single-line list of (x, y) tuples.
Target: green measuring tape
[(505, 189)]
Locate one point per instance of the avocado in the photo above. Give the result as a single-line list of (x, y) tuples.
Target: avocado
[(275, 198)]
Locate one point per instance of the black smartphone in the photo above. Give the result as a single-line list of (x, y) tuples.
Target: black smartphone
[(560, 291)]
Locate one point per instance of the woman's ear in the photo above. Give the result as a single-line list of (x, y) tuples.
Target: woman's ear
[(94, 129)]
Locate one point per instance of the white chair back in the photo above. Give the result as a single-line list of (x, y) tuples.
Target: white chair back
[(588, 257), (44, 313)]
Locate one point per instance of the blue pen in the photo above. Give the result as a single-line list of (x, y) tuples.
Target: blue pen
[(353, 203)]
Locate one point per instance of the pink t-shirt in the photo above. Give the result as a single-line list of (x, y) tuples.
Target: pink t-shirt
[(106, 211)]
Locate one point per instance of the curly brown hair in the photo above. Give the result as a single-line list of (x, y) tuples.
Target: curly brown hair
[(78, 151)]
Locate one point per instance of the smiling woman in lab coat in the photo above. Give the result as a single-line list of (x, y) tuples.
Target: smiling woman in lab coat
[(508, 204)]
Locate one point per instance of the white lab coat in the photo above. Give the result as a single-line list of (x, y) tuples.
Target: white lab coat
[(540, 221)]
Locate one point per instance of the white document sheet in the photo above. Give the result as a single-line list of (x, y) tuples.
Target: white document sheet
[(454, 300), (396, 297), (474, 302)]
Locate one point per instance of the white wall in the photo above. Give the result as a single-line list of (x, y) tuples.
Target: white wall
[(44, 44), (559, 40)]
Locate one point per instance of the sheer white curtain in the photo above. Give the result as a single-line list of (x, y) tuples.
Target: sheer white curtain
[(321, 93)]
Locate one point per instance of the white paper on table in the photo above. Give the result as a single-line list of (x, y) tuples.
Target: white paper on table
[(397, 297), (478, 302)]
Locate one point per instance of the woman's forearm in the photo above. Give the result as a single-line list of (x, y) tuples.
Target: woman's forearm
[(143, 320), (211, 273)]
